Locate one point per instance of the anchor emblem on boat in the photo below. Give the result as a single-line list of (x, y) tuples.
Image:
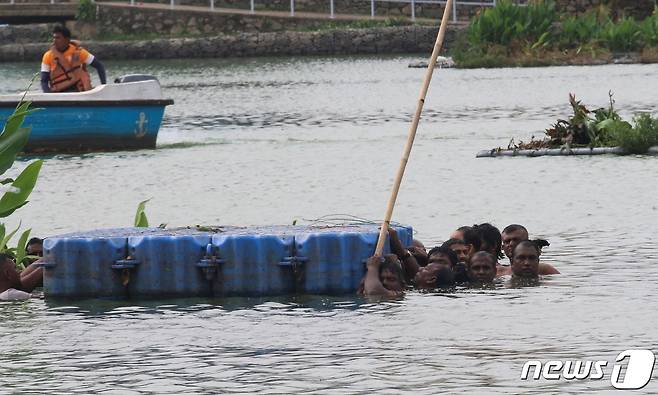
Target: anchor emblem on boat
[(140, 130)]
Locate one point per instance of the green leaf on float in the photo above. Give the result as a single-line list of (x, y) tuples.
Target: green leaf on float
[(20, 248), (25, 182), (140, 216)]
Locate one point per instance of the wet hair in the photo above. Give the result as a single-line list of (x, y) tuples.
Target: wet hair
[(34, 240), (392, 264), (487, 255), (6, 259), (417, 243), (445, 278), (445, 251), (464, 228), (490, 235), (473, 238), (526, 243), (514, 228), (540, 243), (63, 30), (452, 242)]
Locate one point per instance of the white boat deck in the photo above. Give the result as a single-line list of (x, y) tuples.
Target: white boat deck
[(126, 91)]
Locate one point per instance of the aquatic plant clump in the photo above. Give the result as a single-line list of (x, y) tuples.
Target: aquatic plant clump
[(602, 127), (536, 34)]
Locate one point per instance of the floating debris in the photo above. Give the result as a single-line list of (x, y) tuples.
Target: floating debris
[(442, 62)]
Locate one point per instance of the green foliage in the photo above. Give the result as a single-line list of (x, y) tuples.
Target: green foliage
[(86, 11), (526, 33), (649, 29), (13, 137), (21, 255), (508, 22), (12, 140), (140, 216), (576, 30), (599, 128), (23, 185), (623, 36), (638, 138)]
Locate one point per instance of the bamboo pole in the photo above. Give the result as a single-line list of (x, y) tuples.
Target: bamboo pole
[(412, 130)]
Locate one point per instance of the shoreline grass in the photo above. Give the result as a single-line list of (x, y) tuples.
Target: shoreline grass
[(537, 35)]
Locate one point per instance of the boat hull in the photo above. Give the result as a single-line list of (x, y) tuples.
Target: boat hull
[(120, 116), (90, 128)]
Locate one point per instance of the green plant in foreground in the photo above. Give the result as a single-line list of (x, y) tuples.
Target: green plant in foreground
[(16, 191)]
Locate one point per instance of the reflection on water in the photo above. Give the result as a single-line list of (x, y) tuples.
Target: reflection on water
[(269, 141)]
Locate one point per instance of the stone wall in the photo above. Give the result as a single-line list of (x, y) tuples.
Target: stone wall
[(129, 20), (25, 33), (404, 39)]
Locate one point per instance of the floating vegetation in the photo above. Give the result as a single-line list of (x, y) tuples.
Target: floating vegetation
[(602, 127)]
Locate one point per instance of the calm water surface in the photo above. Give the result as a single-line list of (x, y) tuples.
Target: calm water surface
[(268, 141)]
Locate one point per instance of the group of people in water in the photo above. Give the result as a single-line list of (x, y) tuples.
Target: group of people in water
[(469, 257)]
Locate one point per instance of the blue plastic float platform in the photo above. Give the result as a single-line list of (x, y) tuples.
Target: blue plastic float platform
[(210, 261)]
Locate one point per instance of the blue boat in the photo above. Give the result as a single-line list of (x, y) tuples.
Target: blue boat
[(125, 115)]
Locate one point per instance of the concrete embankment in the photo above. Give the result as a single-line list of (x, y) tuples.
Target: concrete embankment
[(404, 39)]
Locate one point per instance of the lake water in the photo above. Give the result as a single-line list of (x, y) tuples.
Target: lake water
[(269, 141)]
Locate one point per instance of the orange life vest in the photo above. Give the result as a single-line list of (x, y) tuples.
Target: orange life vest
[(67, 74)]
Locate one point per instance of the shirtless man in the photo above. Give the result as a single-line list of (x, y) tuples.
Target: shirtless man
[(512, 235), (481, 269), (384, 277), (439, 270), (525, 261), (26, 280), (459, 247)]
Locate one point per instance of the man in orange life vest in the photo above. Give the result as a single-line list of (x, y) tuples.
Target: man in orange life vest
[(64, 65)]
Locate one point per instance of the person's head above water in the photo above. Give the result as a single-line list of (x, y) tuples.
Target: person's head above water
[(473, 242), (459, 232), (434, 275), (511, 236), (525, 260), (481, 268), (34, 247), (459, 247), (443, 256), (9, 276), (491, 239), (61, 38), (390, 273)]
